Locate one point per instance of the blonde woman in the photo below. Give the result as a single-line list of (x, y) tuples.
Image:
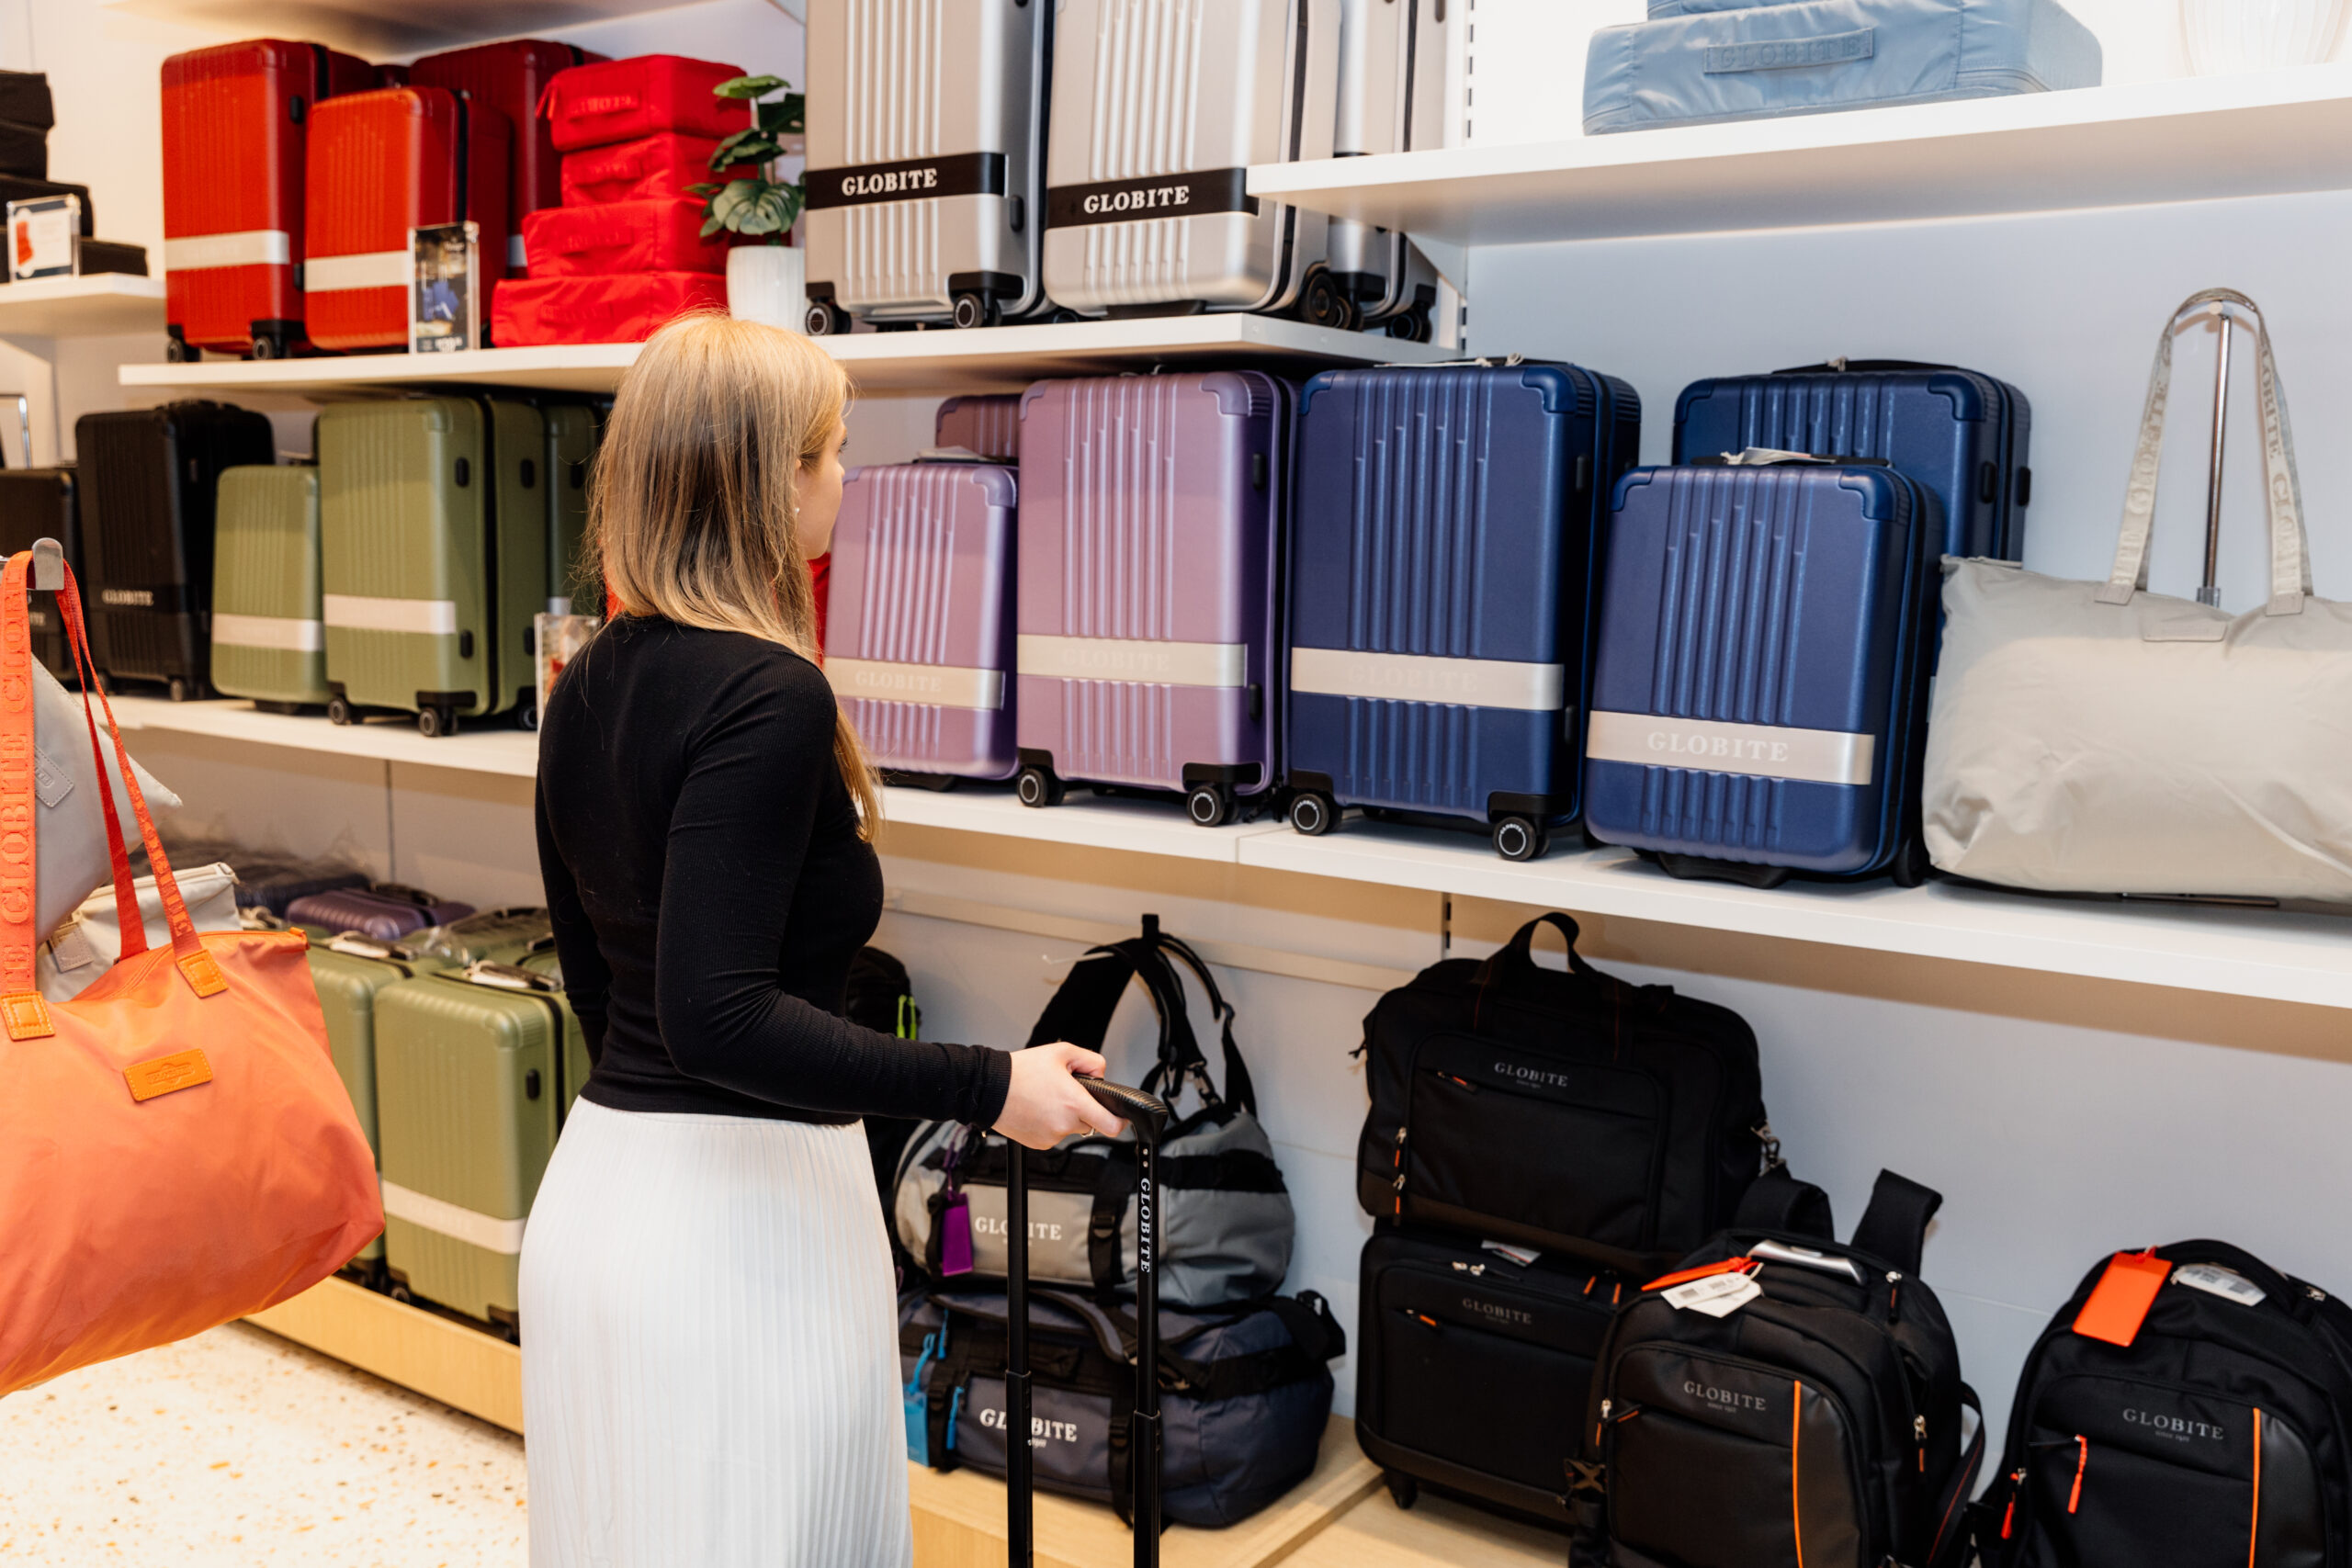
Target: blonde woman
[(710, 1341)]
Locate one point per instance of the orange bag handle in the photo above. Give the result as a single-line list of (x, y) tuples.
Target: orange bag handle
[(23, 1009)]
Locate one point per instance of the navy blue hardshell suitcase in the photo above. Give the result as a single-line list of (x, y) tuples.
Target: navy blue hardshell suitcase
[(1442, 556), (1759, 692), (1962, 435)]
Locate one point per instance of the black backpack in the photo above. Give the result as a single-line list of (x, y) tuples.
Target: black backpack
[(1564, 1111), (2217, 1434), (1817, 1424)]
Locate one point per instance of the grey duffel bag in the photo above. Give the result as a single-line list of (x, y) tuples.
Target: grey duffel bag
[(1224, 1215)]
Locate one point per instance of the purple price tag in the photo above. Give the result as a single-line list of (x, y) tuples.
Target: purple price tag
[(956, 1235)]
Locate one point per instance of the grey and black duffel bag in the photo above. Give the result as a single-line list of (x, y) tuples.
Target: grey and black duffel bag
[(1244, 1395), (1224, 1215)]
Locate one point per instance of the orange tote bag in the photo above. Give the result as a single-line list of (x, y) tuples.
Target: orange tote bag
[(176, 1148)]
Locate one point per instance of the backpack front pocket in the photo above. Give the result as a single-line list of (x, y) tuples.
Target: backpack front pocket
[(1715, 1463), (1566, 1149)]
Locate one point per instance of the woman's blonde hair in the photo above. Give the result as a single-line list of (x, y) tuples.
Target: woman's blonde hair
[(693, 516)]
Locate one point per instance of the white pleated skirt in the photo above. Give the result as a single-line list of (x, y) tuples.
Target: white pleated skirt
[(710, 1349)]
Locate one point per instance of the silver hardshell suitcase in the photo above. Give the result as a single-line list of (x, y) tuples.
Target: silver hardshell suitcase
[(1158, 108), (924, 151), (1391, 99)]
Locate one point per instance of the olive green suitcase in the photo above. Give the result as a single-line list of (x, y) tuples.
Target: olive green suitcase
[(268, 639), (434, 526), (471, 1080), (571, 447)]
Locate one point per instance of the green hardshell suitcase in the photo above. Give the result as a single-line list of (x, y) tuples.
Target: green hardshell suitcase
[(269, 634), (571, 447), (576, 1064), (434, 524), (470, 1082)]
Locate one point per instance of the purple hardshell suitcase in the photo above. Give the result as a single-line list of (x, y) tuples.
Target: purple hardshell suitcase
[(919, 622), (1149, 539), (388, 911), (987, 424)]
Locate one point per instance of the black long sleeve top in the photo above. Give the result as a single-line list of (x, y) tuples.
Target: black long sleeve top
[(708, 889)]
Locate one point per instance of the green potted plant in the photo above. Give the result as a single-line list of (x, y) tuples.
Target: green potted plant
[(765, 281)]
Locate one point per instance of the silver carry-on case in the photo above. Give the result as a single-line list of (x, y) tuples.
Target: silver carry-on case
[(1391, 99), (1157, 109), (925, 161)]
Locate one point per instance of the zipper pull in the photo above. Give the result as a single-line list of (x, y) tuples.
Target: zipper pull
[(1400, 1136), (2082, 1461), (1605, 1408), (2009, 1514), (1893, 1295), (1919, 1432)]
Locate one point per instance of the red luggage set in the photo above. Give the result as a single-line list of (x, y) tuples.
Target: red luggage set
[(292, 176)]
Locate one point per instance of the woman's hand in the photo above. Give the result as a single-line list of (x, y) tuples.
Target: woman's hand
[(1046, 1104)]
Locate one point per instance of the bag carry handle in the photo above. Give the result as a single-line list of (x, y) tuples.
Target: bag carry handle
[(1519, 951), (2291, 566), (1841, 365), (23, 1011), (1894, 1226)]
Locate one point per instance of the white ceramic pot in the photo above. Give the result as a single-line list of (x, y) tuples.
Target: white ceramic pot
[(768, 282), (2257, 35)]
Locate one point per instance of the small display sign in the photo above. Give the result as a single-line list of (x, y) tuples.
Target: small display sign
[(444, 295), (41, 237)]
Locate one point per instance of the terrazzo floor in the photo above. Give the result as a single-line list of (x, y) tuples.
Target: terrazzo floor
[(236, 1448)]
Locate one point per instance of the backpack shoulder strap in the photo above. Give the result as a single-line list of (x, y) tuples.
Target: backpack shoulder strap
[(1950, 1543), (1896, 1224), (1779, 1201), (1240, 1092)]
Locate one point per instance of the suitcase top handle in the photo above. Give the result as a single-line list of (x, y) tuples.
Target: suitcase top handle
[(1147, 1111)]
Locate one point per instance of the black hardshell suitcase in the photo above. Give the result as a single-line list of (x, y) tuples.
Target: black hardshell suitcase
[(149, 478), (38, 503), (1474, 1370), (1149, 1116)]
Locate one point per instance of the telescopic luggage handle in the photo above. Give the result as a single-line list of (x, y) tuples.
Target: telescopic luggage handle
[(1149, 1115)]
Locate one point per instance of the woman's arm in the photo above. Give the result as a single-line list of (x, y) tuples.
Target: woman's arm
[(756, 775), (586, 979)]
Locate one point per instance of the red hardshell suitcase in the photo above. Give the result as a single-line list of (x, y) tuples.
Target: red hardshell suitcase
[(384, 163), (509, 77), (629, 309), (236, 130), (620, 100), (643, 170), (622, 237)]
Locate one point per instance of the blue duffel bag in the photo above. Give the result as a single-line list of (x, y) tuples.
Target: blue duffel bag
[(1245, 1395), (1699, 60)]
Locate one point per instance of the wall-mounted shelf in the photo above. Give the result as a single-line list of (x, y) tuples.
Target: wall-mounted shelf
[(410, 27), (990, 359), (2279, 956), (2186, 140), (90, 306)]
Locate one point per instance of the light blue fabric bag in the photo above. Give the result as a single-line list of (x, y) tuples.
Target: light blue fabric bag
[(1696, 61)]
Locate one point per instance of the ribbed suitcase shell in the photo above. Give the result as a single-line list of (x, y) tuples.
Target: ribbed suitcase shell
[(921, 605), (147, 479), (1961, 435), (1158, 100), (384, 916), (988, 422), (381, 164), (469, 1093), (615, 237), (621, 100), (268, 637), (948, 98), (44, 504), (236, 134), (572, 434), (509, 77), (1792, 604), (1391, 99), (650, 168), (434, 538), (1149, 537), (541, 959), (1444, 532)]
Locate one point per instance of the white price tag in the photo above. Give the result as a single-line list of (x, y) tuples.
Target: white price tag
[(1717, 1295), (1522, 1255), (2215, 1281)]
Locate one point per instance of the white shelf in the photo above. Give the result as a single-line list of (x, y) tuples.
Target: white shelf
[(2186, 140), (90, 306), (2279, 955), (988, 359), (413, 27)]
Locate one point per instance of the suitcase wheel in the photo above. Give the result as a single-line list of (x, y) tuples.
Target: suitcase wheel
[(1210, 804), (178, 690), (433, 723), (527, 716), (1910, 865), (176, 348), (1403, 1488), (1323, 303), (974, 310), (339, 711), (825, 319), (1038, 786), (1516, 838), (1314, 813), (1413, 326)]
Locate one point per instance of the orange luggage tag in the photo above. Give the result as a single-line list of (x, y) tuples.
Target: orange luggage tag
[(1727, 1266), (2121, 1298)]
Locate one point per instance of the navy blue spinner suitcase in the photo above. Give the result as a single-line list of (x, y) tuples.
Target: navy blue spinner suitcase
[(1441, 560), (1962, 435), (1761, 688)]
